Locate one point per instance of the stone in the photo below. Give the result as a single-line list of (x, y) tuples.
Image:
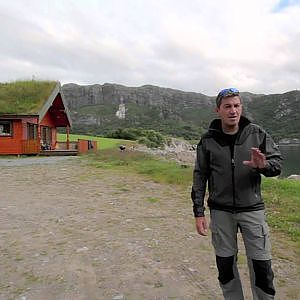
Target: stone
[(118, 297), (294, 176)]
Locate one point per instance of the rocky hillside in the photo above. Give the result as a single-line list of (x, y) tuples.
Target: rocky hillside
[(98, 109)]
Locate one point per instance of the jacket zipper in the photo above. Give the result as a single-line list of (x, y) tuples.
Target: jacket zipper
[(233, 185)]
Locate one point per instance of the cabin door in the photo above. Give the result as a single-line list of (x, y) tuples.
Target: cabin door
[(46, 138)]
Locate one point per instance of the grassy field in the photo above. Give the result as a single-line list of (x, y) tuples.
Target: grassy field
[(102, 143), (282, 196), (159, 170)]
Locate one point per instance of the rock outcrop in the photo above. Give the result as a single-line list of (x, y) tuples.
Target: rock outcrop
[(182, 152)]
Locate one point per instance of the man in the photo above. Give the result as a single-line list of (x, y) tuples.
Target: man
[(231, 157)]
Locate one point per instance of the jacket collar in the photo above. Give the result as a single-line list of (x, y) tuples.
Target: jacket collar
[(216, 124), (215, 130)]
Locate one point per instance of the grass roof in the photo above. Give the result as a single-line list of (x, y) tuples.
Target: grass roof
[(24, 97)]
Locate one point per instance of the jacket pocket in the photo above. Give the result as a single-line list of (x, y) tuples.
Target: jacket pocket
[(256, 237)]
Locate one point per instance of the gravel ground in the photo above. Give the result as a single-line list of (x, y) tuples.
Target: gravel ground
[(34, 160), (72, 231)]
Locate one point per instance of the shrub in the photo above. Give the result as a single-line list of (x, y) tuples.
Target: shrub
[(150, 138), (125, 133)]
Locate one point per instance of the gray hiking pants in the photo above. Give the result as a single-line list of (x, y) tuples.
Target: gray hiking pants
[(254, 229)]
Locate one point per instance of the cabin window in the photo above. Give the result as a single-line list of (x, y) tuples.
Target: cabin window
[(5, 128), (32, 131)]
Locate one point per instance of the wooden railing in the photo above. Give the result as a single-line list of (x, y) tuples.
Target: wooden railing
[(63, 146), (82, 146), (30, 146)]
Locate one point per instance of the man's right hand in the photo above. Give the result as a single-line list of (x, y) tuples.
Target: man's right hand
[(201, 225)]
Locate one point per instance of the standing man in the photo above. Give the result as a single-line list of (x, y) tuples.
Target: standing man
[(231, 157)]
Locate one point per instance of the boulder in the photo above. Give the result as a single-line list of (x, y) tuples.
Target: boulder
[(294, 176)]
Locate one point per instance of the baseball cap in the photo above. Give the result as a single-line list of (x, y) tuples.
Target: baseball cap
[(228, 92)]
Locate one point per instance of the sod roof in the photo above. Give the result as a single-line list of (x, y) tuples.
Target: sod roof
[(24, 97)]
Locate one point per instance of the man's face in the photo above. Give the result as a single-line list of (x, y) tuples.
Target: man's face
[(230, 112)]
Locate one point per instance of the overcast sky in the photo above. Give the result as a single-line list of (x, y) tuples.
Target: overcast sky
[(192, 45)]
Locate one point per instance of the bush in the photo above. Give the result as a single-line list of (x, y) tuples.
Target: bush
[(150, 138), (125, 133), (154, 137)]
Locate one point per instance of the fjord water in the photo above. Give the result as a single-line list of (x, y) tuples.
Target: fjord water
[(291, 160)]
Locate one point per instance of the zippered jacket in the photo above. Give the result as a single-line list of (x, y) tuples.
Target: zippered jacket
[(232, 186)]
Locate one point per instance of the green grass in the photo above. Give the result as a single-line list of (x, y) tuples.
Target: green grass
[(159, 170), (152, 199), (24, 97), (102, 143), (282, 196)]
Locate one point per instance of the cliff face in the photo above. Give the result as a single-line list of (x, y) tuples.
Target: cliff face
[(78, 96), (97, 109)]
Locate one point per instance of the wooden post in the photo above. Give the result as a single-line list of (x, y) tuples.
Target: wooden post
[(68, 140), (39, 136)]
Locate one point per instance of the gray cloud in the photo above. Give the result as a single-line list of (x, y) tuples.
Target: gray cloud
[(199, 46)]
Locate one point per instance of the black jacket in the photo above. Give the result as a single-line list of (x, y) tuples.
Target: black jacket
[(232, 186)]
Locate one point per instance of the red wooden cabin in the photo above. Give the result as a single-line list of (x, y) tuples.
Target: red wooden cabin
[(30, 117)]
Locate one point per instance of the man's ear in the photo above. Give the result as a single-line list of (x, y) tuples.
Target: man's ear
[(217, 109)]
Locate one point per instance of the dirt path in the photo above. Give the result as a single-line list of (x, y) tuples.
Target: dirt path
[(69, 231)]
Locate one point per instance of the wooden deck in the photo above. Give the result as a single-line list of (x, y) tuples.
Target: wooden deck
[(58, 152), (61, 148)]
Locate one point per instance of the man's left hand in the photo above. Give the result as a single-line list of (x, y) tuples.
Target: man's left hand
[(258, 159)]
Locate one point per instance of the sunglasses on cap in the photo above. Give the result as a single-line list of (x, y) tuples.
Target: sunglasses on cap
[(226, 93)]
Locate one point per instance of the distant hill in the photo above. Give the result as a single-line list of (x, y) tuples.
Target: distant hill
[(98, 109)]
